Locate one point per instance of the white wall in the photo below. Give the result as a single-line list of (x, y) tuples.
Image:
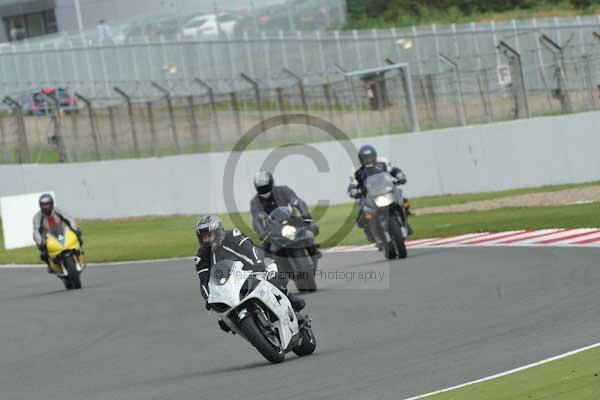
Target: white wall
[(535, 152)]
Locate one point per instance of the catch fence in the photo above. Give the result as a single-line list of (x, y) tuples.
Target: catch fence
[(188, 112)]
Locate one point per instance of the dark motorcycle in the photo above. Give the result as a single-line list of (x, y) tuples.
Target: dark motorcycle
[(385, 215), (289, 236)]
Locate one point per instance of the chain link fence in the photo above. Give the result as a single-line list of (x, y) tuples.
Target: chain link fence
[(149, 120), (93, 68), (527, 74)]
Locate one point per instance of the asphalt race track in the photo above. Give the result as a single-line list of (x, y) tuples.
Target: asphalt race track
[(450, 316)]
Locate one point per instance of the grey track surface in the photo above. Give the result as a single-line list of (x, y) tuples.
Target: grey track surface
[(450, 316)]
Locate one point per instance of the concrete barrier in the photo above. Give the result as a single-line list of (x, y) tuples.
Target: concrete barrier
[(524, 153)]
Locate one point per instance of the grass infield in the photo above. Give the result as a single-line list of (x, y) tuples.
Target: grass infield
[(575, 377), (168, 237)]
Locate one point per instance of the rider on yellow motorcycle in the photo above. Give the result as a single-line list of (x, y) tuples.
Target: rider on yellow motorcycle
[(50, 219)]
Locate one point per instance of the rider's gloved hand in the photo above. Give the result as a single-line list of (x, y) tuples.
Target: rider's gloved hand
[(44, 253), (354, 193), (79, 236), (314, 229)]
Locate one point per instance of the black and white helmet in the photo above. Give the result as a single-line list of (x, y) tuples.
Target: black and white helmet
[(263, 182), (210, 231)]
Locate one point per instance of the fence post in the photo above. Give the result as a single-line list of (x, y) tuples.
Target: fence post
[(153, 137), (248, 53), (57, 137), (193, 122), (169, 100), (357, 48), (267, 55), (417, 42), (563, 91), (423, 83), (410, 97), (321, 52), (356, 108), (257, 98), (378, 55), (513, 56), (461, 106), (589, 81), (581, 38), (3, 145), (495, 39), (283, 49), (557, 29), (338, 45), (233, 61), (301, 88), (281, 105), (235, 107), (75, 128), (328, 104), (483, 92), (516, 32), (540, 60), (113, 132), (476, 44), (136, 147), (21, 133), (432, 97), (94, 131), (455, 38), (302, 51), (436, 40), (213, 108)]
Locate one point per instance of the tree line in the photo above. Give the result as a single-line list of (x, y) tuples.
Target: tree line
[(419, 10)]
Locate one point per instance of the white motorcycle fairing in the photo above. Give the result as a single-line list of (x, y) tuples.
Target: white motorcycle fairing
[(226, 290)]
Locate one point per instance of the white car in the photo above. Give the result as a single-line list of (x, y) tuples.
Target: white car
[(209, 25)]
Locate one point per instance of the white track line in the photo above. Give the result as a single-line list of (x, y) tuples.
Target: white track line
[(500, 375)]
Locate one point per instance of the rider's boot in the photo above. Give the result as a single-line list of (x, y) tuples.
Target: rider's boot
[(298, 304), (44, 257), (315, 254), (369, 235)]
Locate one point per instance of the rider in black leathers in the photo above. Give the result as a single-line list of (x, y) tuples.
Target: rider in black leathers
[(267, 199), (371, 164), (217, 244)]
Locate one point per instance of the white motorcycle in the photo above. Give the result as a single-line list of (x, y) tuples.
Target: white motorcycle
[(258, 311)]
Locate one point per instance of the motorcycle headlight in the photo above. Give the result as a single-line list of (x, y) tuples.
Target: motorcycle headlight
[(384, 200), (289, 232)]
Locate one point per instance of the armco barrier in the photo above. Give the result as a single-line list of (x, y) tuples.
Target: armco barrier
[(533, 152)]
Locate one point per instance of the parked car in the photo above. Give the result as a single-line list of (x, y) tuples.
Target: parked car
[(38, 105), (208, 25)]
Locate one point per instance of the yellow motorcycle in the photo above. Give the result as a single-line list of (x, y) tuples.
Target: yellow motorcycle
[(66, 257)]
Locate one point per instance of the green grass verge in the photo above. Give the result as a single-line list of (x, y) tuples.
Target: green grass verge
[(573, 378), (436, 201), (166, 237)]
